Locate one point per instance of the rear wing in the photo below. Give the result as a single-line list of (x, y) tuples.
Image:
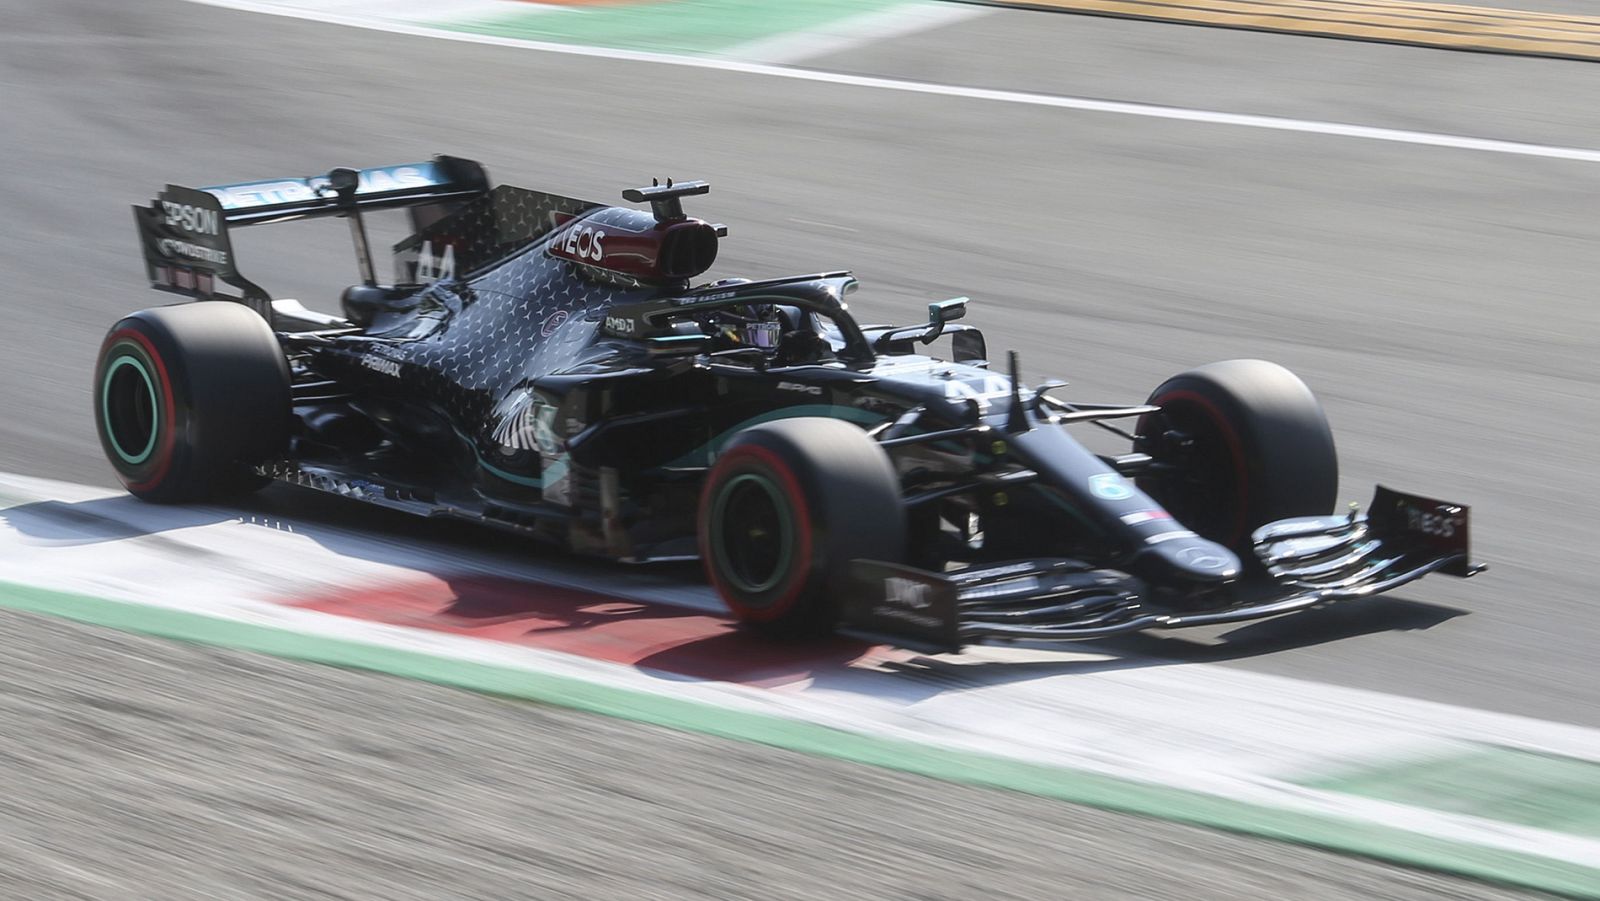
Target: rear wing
[(184, 231)]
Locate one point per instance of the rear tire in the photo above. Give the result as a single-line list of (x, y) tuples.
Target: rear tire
[(1259, 450), (785, 508), (189, 399)]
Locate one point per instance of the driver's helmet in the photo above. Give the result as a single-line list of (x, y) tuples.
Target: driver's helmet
[(752, 324), (762, 326)]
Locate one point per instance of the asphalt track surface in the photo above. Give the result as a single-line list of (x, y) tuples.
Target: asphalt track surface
[(1440, 301), (162, 771)]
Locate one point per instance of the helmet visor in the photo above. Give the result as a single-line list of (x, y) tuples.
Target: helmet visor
[(764, 335)]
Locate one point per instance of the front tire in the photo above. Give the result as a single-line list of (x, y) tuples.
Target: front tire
[(785, 508), (1244, 443), (189, 399)]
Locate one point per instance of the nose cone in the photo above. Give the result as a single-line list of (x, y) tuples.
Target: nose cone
[(1194, 559)]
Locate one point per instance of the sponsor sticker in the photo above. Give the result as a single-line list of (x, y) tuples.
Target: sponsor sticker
[(582, 243), (302, 190), (982, 387), (526, 422), (907, 600), (995, 571), (435, 268), (1023, 585), (192, 219), (1202, 558), (171, 247), (264, 193), (906, 593), (1110, 486), (554, 321), (381, 365), (1439, 523)]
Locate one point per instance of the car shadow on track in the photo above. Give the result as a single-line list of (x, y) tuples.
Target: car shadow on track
[(1308, 628), (925, 676), (104, 519)]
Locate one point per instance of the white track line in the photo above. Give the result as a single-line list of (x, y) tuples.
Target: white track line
[(411, 10), (856, 31), (1151, 111)]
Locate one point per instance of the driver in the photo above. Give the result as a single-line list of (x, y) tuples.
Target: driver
[(759, 325), (788, 338)]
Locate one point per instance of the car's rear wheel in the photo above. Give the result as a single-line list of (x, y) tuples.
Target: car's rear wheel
[(1240, 444), (189, 399), (785, 508)]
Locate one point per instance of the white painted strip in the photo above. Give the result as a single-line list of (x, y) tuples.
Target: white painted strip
[(407, 10), (1157, 723), (116, 545), (856, 31), (1115, 107), (461, 10)]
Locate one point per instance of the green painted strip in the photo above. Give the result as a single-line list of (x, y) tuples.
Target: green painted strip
[(1366, 839), (670, 26), (1546, 791)]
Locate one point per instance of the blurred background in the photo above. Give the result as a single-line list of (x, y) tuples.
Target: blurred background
[(1410, 227)]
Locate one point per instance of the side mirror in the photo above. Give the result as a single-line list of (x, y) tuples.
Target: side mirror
[(941, 312), (968, 346)]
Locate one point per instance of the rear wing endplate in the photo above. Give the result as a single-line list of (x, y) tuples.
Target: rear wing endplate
[(184, 231)]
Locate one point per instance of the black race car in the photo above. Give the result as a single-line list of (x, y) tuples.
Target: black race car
[(547, 365)]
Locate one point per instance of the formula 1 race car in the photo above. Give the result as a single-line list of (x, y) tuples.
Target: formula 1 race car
[(546, 365)]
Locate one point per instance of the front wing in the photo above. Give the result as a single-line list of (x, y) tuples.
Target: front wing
[(1309, 561)]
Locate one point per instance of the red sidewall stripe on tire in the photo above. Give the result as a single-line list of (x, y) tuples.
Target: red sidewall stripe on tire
[(801, 565), (1241, 475), (168, 407)]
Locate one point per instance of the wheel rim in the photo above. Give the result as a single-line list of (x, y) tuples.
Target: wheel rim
[(130, 409), (1204, 493), (753, 533)]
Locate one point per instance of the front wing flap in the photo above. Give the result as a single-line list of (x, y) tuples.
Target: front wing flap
[(1045, 599), (1403, 537), (886, 603)]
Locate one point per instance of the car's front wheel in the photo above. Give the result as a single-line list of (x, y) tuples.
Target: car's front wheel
[(1238, 444), (785, 508)]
